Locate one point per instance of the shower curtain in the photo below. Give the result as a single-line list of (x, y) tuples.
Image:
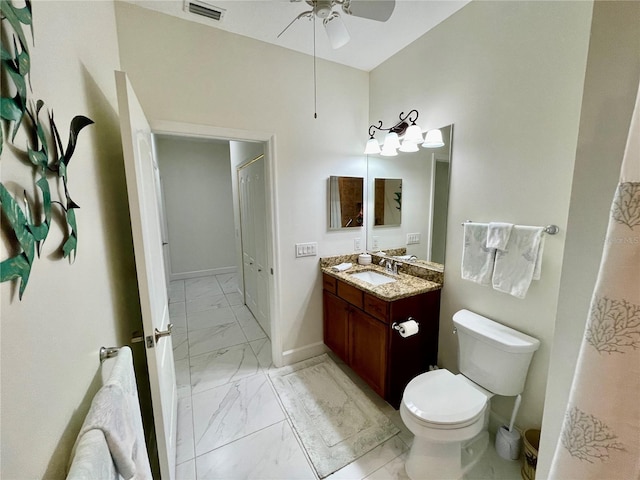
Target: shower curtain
[(600, 437)]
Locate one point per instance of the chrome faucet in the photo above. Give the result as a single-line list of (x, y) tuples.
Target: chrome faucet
[(390, 266)]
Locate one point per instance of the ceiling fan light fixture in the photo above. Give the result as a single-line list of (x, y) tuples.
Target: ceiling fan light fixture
[(321, 8), (336, 31)]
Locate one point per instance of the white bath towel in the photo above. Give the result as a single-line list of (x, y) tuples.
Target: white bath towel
[(342, 267), (92, 458), (123, 376), (477, 259), (110, 412), (498, 235), (515, 266), (114, 415)]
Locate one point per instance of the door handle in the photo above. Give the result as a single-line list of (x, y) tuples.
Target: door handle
[(166, 333), (165, 243)]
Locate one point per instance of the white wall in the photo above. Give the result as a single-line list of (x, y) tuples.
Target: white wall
[(196, 178), (509, 76), (206, 76), (611, 84), (51, 339)]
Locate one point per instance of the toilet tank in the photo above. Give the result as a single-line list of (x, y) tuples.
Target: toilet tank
[(493, 355)]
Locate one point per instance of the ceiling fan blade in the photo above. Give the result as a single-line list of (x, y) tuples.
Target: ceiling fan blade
[(336, 31), (308, 13), (379, 10)]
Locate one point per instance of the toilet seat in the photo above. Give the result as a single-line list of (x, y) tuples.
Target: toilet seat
[(441, 400)]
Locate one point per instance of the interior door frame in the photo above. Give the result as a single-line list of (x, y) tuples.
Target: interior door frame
[(190, 130)]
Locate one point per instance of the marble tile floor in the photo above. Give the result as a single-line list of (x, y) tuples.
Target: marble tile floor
[(231, 424)]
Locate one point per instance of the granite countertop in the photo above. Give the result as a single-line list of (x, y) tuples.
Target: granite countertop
[(404, 286)]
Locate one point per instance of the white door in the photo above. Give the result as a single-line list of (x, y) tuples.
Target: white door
[(247, 238), (142, 186), (254, 240)]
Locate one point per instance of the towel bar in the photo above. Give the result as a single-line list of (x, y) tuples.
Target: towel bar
[(108, 352), (549, 229)]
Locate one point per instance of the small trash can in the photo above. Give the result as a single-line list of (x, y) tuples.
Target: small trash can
[(530, 458)]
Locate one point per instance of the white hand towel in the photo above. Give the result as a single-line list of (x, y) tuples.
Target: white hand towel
[(342, 267), (515, 266), (498, 235), (110, 412), (477, 259)]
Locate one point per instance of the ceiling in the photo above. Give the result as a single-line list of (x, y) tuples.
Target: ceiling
[(371, 42)]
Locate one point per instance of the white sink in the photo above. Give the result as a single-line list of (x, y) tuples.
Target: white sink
[(373, 278)]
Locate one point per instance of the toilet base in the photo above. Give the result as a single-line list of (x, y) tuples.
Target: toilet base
[(429, 460)]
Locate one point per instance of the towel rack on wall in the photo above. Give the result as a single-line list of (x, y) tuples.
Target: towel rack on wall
[(550, 229), (108, 352)]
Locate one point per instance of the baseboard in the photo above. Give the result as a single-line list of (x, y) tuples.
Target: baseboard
[(303, 353), (203, 273)]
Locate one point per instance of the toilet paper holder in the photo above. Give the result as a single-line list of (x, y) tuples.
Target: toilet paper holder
[(396, 325)]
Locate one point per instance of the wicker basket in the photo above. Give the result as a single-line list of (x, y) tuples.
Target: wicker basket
[(530, 457)]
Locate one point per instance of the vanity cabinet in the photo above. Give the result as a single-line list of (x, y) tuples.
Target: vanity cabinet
[(358, 329)]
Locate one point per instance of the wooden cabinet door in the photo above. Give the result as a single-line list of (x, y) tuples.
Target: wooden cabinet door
[(368, 349), (336, 325)]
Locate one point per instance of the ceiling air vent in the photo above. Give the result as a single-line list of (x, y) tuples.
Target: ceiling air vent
[(204, 9)]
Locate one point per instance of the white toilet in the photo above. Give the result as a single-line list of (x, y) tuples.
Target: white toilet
[(449, 414)]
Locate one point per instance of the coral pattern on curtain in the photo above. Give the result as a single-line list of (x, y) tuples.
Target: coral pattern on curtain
[(600, 437)]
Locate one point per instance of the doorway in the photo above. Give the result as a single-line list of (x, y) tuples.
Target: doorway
[(262, 295)]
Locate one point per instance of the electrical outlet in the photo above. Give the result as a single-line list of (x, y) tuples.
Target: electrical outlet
[(356, 244), (413, 238), (375, 243), (309, 249)]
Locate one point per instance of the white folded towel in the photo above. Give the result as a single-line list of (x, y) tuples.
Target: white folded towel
[(406, 257), (515, 266), (477, 259), (342, 267), (498, 235)]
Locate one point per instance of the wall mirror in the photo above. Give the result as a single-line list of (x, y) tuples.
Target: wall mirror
[(387, 202), (346, 202), (424, 200)]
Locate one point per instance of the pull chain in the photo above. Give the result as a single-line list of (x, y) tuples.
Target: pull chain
[(315, 87)]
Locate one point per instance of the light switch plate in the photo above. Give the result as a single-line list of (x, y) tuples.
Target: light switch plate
[(413, 238), (376, 243), (357, 244), (309, 249)]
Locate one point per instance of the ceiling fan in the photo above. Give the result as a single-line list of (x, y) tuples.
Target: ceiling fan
[(379, 10)]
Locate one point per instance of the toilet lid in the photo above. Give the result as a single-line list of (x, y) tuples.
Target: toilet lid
[(441, 398)]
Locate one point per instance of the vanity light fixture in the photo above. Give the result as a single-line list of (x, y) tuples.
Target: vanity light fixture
[(433, 139), (411, 137)]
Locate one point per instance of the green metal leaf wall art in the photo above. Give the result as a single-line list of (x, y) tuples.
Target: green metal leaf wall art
[(31, 220)]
